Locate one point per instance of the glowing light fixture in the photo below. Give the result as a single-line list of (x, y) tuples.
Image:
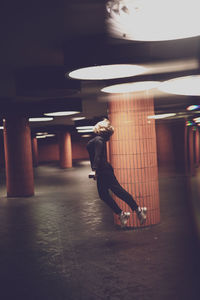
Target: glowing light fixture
[(43, 119), (107, 72), (86, 135), (187, 85), (41, 137), (193, 107), (41, 133), (1, 127), (190, 123), (61, 113), (84, 127), (78, 118), (50, 135), (155, 20), (131, 87), (161, 116), (84, 130), (197, 120)]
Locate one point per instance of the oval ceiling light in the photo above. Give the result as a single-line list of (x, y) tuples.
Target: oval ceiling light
[(161, 116), (78, 118), (86, 135), (107, 72), (43, 119), (85, 127), (85, 130), (41, 133), (192, 107), (154, 20), (41, 137), (187, 85), (62, 113), (50, 135), (131, 87), (197, 120), (190, 123)]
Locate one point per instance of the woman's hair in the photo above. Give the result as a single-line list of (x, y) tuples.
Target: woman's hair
[(104, 128)]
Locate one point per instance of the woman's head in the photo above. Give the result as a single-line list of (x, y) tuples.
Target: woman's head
[(104, 129)]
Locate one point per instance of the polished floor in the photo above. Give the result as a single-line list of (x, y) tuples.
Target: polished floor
[(62, 244)]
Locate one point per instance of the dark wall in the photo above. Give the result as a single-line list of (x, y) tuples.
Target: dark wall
[(171, 145), (48, 150), (2, 160)]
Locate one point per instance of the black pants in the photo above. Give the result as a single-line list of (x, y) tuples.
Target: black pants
[(106, 181)]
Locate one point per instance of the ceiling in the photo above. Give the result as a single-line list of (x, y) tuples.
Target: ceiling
[(42, 41)]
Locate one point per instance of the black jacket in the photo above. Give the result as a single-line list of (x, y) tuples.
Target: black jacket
[(97, 152)]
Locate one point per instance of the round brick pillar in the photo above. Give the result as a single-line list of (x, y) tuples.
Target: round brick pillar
[(18, 157), (35, 151), (65, 150), (133, 153)]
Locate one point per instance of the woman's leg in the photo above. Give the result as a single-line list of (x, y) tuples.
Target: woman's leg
[(102, 188), (120, 192)]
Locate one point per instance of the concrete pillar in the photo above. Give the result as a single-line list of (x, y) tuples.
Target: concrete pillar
[(18, 157), (65, 150), (191, 150), (197, 141), (133, 153), (35, 151)]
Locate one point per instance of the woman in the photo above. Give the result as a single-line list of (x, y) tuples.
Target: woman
[(103, 172)]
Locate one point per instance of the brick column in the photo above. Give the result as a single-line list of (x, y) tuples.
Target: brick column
[(18, 157), (35, 151), (133, 153), (65, 150)]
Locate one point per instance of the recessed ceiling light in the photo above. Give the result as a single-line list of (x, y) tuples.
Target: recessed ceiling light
[(131, 87), (187, 85), (190, 123), (85, 130), (86, 135), (41, 133), (107, 72), (153, 20), (40, 119), (50, 135), (40, 136), (61, 113), (192, 107), (78, 118), (161, 116), (197, 120), (84, 127)]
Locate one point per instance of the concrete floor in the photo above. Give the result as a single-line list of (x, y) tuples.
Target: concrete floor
[(62, 244)]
